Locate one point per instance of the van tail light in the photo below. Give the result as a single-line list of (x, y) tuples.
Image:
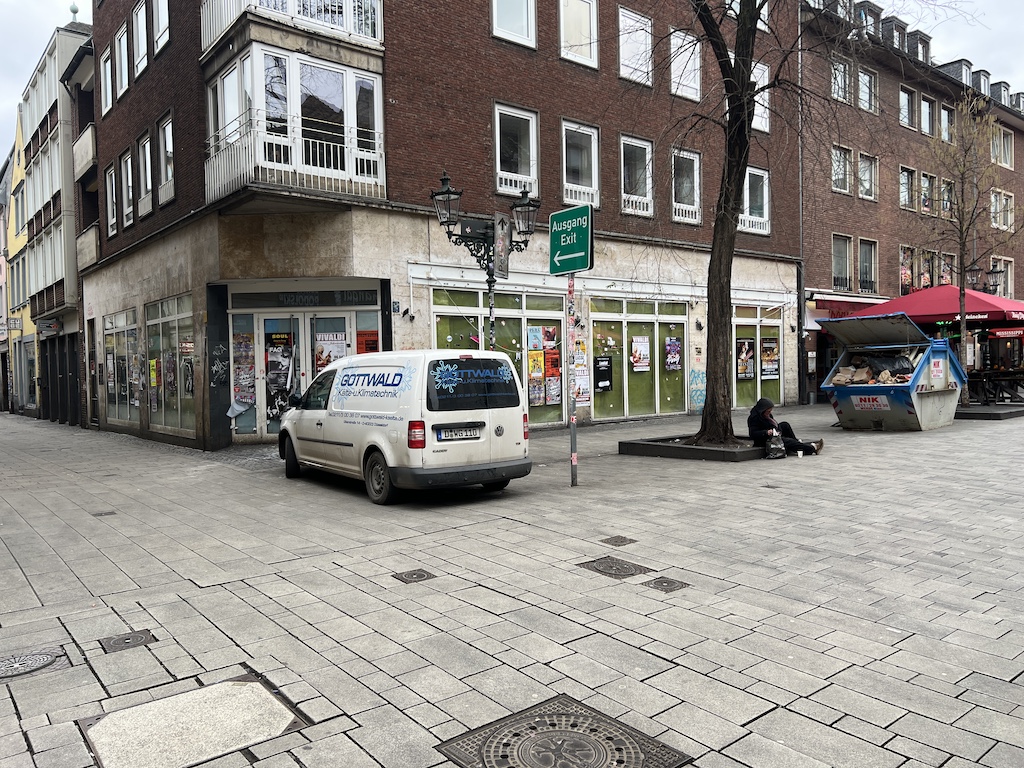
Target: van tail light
[(526, 427), (417, 434)]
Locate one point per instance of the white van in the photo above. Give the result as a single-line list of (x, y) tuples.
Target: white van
[(411, 419)]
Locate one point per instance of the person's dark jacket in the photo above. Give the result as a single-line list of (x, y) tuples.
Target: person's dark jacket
[(758, 424)]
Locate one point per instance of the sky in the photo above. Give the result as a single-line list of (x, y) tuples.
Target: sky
[(987, 32)]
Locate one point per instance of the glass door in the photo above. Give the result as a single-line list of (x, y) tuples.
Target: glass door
[(329, 341), (279, 370)]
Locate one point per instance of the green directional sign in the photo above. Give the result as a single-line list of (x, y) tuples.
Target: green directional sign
[(572, 240)]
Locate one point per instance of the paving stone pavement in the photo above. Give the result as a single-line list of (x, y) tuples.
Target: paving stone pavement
[(860, 608)]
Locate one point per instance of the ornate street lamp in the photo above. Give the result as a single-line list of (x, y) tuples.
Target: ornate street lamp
[(488, 240), (973, 273)]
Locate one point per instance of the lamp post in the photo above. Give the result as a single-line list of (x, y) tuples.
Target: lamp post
[(489, 241)]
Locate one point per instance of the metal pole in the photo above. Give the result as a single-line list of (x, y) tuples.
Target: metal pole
[(571, 359), (490, 292)]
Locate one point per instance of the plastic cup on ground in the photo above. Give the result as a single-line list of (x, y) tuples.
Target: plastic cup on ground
[(799, 454)]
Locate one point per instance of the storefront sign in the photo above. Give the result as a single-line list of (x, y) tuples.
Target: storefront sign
[(870, 403)]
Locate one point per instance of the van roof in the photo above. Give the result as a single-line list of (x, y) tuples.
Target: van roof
[(421, 354)]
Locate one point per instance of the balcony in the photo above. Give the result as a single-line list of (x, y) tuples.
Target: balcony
[(83, 153), (357, 19), (87, 246), (754, 224), (297, 154), (685, 214), (577, 194), (637, 205)]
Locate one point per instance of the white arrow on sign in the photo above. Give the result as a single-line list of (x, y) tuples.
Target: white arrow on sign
[(560, 257)]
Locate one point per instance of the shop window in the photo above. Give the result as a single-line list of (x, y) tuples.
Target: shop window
[(544, 303), (171, 358), (641, 367), (508, 301), (606, 305), (122, 366), (515, 20), (546, 359), (671, 346), (607, 374), (243, 371), (457, 332), (639, 307), (446, 298), (673, 308)]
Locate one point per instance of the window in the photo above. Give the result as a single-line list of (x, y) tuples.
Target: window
[(686, 54), (756, 212), (516, 140), (907, 113), (579, 31), (927, 116), (867, 90), (906, 188), (868, 257), (841, 169), (927, 193), (106, 81), (111, 189), (1001, 276), (145, 176), (841, 262), (171, 347), (124, 377), (1002, 147), (637, 184), (127, 190), (580, 172), (759, 121), (841, 79), (867, 177), (635, 41), (165, 163), (948, 191), (161, 24), (121, 47), (140, 37), (686, 187), (516, 20), (947, 121), (1002, 210)]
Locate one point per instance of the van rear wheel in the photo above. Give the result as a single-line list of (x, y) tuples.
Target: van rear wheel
[(378, 480), (291, 461), (497, 485)]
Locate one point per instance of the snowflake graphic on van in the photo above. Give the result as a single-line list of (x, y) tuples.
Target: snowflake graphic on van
[(446, 376)]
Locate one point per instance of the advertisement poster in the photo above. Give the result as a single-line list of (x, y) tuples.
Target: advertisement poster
[(673, 353), (329, 347), (581, 373), (110, 374), (367, 341), (602, 374), (550, 334), (279, 372), (552, 377), (744, 358), (535, 375), (244, 357), (640, 355), (769, 359), (534, 337)]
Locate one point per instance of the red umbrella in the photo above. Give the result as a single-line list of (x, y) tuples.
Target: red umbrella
[(942, 304)]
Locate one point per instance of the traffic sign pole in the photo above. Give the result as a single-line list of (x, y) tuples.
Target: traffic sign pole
[(573, 455)]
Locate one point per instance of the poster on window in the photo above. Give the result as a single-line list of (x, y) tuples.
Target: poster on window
[(535, 375), (769, 358), (552, 377), (244, 367), (550, 334), (602, 374), (673, 353), (640, 353), (581, 373), (329, 347), (367, 341), (280, 372), (744, 358), (534, 337)]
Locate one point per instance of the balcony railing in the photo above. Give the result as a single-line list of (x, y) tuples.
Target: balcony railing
[(357, 18), (637, 205), (510, 183), (754, 224), (288, 151), (575, 194), (840, 283), (687, 214)]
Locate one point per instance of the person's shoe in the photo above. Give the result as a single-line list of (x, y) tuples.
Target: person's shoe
[(818, 446)]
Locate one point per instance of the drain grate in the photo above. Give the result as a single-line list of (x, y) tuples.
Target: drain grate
[(411, 577), (666, 584), (559, 732), (618, 541), (25, 664), (129, 640), (615, 568)]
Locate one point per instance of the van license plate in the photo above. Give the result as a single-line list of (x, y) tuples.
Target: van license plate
[(467, 433)]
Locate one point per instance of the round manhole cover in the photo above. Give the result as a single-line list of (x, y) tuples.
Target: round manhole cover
[(618, 567), (129, 640), (22, 665), (562, 739), (418, 575)]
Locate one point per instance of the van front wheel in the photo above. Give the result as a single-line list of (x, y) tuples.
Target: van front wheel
[(378, 480)]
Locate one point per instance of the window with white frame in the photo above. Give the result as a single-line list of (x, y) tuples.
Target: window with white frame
[(1002, 276), (1002, 209), (165, 162), (140, 37), (106, 81), (867, 261), (145, 176), (907, 188), (760, 118), (516, 142), (841, 248), (686, 187), (841, 79), (578, 20), (230, 99), (947, 192), (111, 190), (867, 90), (635, 42), (637, 181), (127, 190), (842, 162), (927, 116), (867, 177), (121, 51), (1002, 147), (686, 53), (756, 216), (908, 113), (579, 171), (947, 122), (927, 193), (161, 24), (515, 20)]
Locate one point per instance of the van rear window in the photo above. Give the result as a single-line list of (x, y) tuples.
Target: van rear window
[(464, 385)]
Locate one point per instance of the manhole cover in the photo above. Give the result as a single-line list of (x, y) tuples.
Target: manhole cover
[(666, 584), (15, 666), (559, 732), (618, 541), (612, 566), (129, 640), (410, 577)]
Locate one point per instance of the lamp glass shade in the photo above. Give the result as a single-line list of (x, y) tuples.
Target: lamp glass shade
[(524, 212), (446, 203)]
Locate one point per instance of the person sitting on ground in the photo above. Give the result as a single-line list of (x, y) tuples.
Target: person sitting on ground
[(762, 426)]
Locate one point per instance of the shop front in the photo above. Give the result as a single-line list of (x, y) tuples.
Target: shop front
[(757, 339)]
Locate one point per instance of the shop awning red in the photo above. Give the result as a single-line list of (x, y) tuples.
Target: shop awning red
[(942, 304)]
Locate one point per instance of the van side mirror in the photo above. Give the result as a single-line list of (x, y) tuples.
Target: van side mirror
[(294, 400)]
